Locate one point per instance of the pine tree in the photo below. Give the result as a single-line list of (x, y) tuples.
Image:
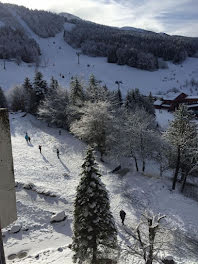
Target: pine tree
[(53, 86), (116, 98), (181, 134), (54, 109), (92, 89), (3, 101), (29, 96), (94, 225), (40, 85), (136, 100), (40, 89), (76, 92)]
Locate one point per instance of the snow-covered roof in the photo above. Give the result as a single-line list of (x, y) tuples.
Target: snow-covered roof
[(158, 102), (165, 105), (192, 97), (171, 96), (192, 105)]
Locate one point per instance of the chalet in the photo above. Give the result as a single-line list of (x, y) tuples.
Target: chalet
[(171, 103)]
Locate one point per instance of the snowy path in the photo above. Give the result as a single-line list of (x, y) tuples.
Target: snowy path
[(47, 243)]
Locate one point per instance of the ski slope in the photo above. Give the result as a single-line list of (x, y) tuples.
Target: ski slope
[(55, 183), (58, 58)]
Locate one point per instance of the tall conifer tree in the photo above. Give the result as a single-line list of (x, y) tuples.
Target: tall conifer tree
[(94, 226)]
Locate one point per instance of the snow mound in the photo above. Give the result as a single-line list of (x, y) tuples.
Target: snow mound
[(59, 217), (15, 229)]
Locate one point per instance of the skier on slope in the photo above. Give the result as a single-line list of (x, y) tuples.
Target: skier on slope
[(39, 148), (122, 216), (57, 152), (26, 137)]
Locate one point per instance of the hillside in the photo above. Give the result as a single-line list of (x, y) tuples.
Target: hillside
[(60, 58), (51, 55), (46, 185)]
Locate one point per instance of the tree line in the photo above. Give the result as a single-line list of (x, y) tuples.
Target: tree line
[(14, 41), (43, 23), (114, 125), (132, 48), (15, 44)]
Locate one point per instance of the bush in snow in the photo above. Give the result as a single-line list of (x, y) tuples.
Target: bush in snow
[(94, 227)]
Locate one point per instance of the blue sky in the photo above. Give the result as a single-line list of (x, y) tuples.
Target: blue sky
[(170, 16)]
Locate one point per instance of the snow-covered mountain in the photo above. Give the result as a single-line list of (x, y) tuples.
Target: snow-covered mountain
[(46, 50)]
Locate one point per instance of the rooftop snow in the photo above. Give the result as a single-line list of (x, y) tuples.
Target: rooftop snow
[(158, 102), (192, 97)]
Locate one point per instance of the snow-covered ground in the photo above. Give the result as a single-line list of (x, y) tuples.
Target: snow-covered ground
[(60, 58), (54, 185), (163, 117)]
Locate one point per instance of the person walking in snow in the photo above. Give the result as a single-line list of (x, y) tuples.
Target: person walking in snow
[(59, 132), (122, 216), (57, 152), (26, 137), (29, 139), (40, 148)]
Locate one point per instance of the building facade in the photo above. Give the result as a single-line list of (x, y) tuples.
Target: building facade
[(171, 103)]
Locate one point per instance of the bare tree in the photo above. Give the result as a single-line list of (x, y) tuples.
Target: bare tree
[(148, 238)]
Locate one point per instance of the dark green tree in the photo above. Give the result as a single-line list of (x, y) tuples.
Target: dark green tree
[(76, 92), (40, 89), (29, 96), (94, 227), (92, 89)]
